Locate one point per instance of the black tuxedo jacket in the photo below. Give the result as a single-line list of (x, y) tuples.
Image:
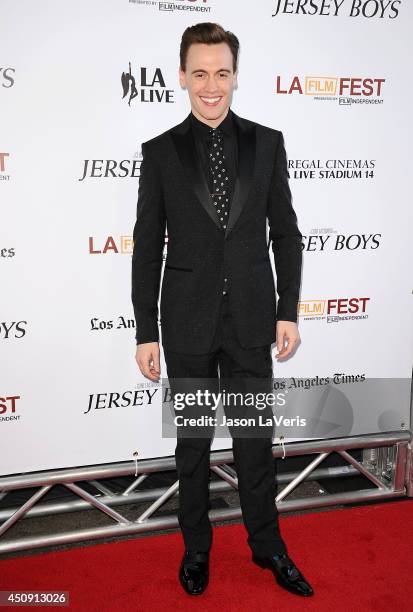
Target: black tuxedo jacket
[(173, 194)]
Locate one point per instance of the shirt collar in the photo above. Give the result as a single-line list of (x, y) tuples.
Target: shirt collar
[(227, 125)]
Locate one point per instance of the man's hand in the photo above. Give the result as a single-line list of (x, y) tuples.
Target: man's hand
[(286, 330), (148, 359)]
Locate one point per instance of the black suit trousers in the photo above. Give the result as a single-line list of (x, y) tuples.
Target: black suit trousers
[(254, 462)]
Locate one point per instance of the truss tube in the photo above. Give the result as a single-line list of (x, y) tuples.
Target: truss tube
[(78, 505), (362, 469), (409, 471), (225, 476), (401, 467), (301, 476), (146, 466), (23, 509), (96, 502), (322, 448), (159, 502), (172, 521)]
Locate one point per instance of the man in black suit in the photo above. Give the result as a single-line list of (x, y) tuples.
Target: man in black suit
[(213, 181)]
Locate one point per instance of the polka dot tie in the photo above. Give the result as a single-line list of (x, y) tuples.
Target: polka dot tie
[(220, 178)]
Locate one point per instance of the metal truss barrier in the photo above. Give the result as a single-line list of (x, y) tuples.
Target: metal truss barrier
[(386, 462)]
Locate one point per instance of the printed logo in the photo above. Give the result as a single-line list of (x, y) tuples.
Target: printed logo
[(381, 9), (147, 85), (183, 6), (119, 245), (12, 329), (8, 408), (3, 166), (327, 239), (110, 168), (7, 77), (346, 90), (334, 310), (335, 169)]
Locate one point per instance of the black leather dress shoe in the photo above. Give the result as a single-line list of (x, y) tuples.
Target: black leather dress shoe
[(194, 572), (286, 573)]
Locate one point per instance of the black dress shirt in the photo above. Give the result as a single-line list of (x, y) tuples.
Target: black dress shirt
[(200, 132)]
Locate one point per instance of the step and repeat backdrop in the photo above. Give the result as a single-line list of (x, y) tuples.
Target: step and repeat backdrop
[(82, 85)]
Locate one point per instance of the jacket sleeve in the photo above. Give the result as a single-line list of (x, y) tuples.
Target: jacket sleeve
[(148, 245), (285, 238)]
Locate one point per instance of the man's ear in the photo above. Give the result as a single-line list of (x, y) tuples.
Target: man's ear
[(236, 79), (182, 78)]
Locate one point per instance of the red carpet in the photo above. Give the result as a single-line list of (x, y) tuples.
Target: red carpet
[(356, 559)]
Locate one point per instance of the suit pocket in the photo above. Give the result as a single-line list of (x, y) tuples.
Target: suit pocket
[(169, 267)]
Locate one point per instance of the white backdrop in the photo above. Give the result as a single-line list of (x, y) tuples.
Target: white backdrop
[(66, 319)]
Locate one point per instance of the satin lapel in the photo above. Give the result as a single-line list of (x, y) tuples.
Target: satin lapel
[(185, 147), (246, 167)]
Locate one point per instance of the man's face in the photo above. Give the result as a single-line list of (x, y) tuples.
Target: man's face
[(210, 80)]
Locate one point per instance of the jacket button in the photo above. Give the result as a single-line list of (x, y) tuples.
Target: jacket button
[(225, 279), (224, 293)]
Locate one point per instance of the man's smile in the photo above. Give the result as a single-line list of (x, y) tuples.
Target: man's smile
[(211, 101)]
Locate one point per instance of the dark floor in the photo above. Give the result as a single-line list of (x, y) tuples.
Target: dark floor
[(84, 519)]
